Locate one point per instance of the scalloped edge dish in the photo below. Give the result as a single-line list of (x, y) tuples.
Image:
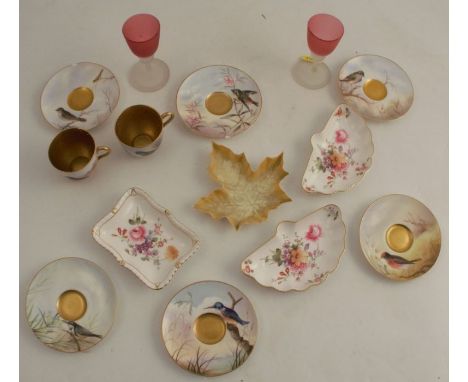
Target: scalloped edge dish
[(145, 238)]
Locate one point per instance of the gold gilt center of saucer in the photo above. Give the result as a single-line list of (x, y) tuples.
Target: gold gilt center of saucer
[(399, 238), (218, 103), (375, 89), (209, 328), (80, 98), (71, 305)]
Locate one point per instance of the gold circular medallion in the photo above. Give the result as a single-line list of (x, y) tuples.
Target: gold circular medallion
[(209, 328), (71, 305), (80, 98), (375, 89), (218, 103), (399, 238)]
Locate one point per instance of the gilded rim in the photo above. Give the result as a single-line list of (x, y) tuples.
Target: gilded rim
[(360, 238), (227, 66), (320, 133), (110, 283), (385, 58), (95, 232), (190, 285), (78, 63), (293, 222)]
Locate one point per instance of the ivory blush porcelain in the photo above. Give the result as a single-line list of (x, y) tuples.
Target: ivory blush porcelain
[(301, 254), (145, 238), (219, 101), (70, 304), (400, 237), (209, 328), (81, 95), (341, 153), (375, 87)]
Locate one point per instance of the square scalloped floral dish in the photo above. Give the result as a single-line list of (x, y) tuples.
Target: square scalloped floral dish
[(145, 238)]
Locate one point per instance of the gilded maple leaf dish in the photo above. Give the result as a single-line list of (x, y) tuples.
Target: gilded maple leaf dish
[(219, 101), (145, 238), (70, 304), (81, 95), (341, 153), (400, 237), (375, 87), (245, 196), (209, 328), (301, 254)]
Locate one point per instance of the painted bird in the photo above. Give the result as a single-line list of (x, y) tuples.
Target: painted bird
[(354, 78), (79, 330), (68, 116), (228, 313), (244, 97), (396, 261)]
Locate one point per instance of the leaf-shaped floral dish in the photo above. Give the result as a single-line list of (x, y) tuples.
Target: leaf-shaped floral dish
[(145, 238), (341, 153), (245, 196), (301, 254), (375, 87), (219, 101), (400, 237), (70, 304), (209, 328), (81, 95)]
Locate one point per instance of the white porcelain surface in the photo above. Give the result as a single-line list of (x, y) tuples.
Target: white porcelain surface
[(357, 317), (218, 78), (341, 153), (301, 254), (70, 273), (96, 77), (399, 87), (145, 238)]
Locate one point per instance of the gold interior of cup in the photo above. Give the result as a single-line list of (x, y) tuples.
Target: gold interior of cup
[(218, 103), (71, 305), (80, 98), (375, 89), (209, 328), (71, 150), (138, 126), (399, 238)]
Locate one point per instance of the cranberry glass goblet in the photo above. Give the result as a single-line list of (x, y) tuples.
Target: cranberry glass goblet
[(324, 32), (141, 32)]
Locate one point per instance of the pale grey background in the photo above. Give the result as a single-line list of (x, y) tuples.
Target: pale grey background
[(358, 326)]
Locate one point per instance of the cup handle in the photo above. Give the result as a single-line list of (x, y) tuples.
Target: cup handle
[(167, 117), (103, 151)]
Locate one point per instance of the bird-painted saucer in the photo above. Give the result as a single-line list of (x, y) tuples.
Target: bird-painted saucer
[(81, 95), (145, 238), (219, 101), (301, 254), (209, 328), (70, 304), (341, 153), (400, 237), (375, 87)]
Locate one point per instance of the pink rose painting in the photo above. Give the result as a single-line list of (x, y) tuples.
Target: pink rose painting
[(341, 136), (314, 232), (137, 234)]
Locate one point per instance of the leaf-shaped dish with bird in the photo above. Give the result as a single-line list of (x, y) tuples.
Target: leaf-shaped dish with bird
[(70, 304), (145, 238), (81, 95), (301, 254), (219, 101), (400, 237), (375, 87), (341, 153), (209, 328)]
